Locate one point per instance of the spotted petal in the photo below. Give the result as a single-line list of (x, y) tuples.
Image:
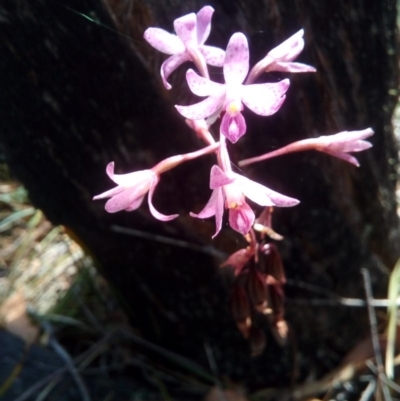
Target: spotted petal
[(202, 86), (164, 41), (203, 109), (170, 65), (262, 195), (185, 28), (290, 67), (265, 99), (203, 18), (236, 64), (290, 48), (213, 55), (219, 178)]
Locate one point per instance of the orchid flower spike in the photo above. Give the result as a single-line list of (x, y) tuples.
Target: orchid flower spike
[(338, 145), (229, 191), (130, 191), (188, 45), (263, 99), (280, 58)]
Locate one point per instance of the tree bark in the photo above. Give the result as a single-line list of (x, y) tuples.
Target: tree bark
[(77, 94)]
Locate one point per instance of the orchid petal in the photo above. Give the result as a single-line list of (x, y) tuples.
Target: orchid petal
[(219, 211), (164, 41), (130, 179), (135, 204), (346, 137), (236, 64), (123, 200), (203, 19), (202, 86), (290, 48), (215, 206), (109, 193), (213, 55), (290, 67), (210, 208), (203, 109), (219, 178), (185, 28), (153, 211), (171, 64), (241, 218), (344, 156), (233, 127), (356, 146), (262, 195), (265, 99)]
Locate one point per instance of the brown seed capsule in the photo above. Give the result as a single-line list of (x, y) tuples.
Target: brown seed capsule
[(281, 331), (277, 298), (263, 224), (257, 288), (239, 304), (244, 327), (257, 341), (272, 264)]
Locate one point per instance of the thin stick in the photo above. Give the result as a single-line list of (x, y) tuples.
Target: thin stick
[(374, 334)]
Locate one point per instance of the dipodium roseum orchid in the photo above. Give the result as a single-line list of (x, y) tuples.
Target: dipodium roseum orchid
[(130, 191), (338, 145), (263, 99), (229, 191), (132, 187), (192, 31), (281, 58)]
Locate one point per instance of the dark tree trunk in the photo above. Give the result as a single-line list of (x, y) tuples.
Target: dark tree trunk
[(76, 95)]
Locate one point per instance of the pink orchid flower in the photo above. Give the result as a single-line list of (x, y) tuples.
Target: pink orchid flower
[(338, 145), (188, 45), (130, 191), (229, 191), (280, 58), (263, 99)]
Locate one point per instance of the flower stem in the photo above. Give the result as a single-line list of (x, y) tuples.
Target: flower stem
[(299, 146), (171, 162), (224, 160)]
